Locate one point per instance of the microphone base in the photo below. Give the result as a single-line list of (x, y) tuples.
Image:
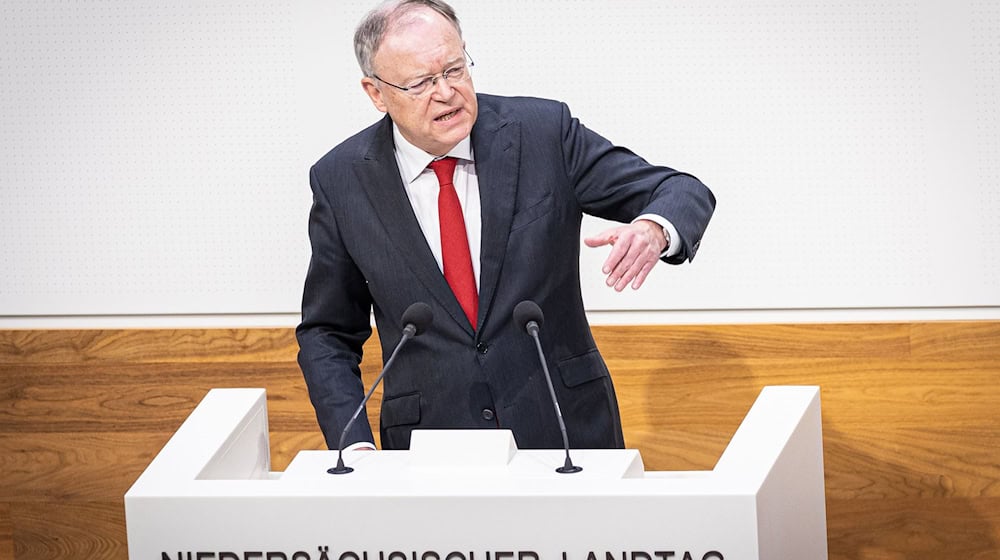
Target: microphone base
[(340, 469), (569, 469)]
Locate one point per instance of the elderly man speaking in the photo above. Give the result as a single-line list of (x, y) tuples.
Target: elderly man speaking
[(472, 203)]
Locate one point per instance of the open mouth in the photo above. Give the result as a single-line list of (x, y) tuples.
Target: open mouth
[(447, 116)]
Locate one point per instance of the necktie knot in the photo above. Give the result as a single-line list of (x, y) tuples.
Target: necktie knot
[(444, 168)]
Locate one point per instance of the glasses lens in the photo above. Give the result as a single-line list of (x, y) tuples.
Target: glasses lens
[(420, 87), (456, 74), (452, 76)]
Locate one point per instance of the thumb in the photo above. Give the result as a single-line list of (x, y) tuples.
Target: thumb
[(606, 237)]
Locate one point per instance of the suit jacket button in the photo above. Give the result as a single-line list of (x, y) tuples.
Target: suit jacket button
[(488, 414), (482, 348)]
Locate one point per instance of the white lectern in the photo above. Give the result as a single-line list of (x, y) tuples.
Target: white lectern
[(472, 495)]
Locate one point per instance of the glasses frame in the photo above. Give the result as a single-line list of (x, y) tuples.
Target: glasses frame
[(469, 63)]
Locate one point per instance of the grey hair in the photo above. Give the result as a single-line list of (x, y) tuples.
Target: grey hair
[(371, 31)]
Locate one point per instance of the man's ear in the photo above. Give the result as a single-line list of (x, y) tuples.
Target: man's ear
[(374, 93)]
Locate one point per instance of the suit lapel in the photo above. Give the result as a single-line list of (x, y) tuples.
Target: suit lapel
[(378, 173), (496, 142)]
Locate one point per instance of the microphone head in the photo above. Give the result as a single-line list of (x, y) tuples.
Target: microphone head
[(419, 315), (526, 312)]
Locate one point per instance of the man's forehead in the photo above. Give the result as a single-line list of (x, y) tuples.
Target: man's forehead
[(409, 57)]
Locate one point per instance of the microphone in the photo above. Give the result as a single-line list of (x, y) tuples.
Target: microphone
[(528, 315), (416, 319)]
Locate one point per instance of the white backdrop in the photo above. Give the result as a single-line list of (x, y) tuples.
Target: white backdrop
[(154, 155)]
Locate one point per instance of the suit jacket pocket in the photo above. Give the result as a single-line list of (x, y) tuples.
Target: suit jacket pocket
[(583, 368), (401, 411), (530, 214)]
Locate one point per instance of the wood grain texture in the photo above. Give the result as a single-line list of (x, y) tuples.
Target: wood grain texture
[(69, 529), (911, 429), (144, 346), (913, 527), (6, 531)]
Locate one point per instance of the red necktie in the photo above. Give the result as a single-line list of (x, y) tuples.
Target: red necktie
[(454, 241)]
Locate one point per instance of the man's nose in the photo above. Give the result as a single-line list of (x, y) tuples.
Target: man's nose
[(443, 89)]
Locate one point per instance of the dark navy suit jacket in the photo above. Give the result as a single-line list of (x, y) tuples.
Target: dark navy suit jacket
[(539, 171)]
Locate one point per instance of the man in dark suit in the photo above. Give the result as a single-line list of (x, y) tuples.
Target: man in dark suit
[(524, 173)]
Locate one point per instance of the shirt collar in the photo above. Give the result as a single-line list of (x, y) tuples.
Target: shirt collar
[(412, 160)]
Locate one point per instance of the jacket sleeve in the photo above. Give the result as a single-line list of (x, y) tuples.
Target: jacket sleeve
[(612, 182), (336, 311)]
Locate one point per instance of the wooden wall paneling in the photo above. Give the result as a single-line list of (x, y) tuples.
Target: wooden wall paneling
[(911, 433), (910, 428), (83, 412), (946, 340), (123, 397), (147, 346), (69, 530), (6, 531), (741, 342), (74, 466), (913, 527)]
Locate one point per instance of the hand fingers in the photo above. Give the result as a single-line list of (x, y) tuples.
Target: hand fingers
[(641, 276), (626, 268), (630, 261), (619, 250)]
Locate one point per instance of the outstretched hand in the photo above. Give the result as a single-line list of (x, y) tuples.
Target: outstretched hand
[(635, 249)]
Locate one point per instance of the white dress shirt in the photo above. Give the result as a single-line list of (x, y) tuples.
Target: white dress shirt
[(422, 189)]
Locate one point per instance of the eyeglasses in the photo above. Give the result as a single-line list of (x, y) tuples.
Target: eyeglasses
[(453, 76)]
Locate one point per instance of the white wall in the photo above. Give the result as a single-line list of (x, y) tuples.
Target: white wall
[(154, 155)]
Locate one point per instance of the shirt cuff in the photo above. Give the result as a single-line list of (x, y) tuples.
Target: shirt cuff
[(674, 246), (358, 444)]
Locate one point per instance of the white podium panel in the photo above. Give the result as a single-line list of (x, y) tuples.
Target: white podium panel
[(472, 495)]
